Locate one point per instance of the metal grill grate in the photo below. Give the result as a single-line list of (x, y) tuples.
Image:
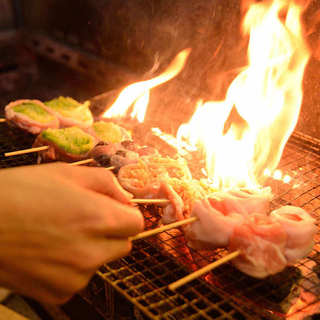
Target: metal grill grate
[(224, 293)]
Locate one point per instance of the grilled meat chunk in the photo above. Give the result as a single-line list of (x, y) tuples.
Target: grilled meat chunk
[(108, 132), (71, 112), (213, 229), (143, 179), (262, 241), (300, 228), (68, 144), (242, 202), (31, 115)]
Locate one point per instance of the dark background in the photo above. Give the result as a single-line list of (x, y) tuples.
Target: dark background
[(142, 37)]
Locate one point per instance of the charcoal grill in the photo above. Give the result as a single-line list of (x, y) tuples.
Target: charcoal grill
[(142, 277), (225, 293)]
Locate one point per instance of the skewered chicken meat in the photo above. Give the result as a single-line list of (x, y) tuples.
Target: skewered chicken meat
[(143, 179), (213, 229), (68, 144), (120, 154), (186, 191), (242, 202), (71, 112), (262, 241), (300, 228), (31, 115), (174, 210), (268, 243), (108, 132)]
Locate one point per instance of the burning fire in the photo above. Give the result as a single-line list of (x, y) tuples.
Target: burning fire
[(243, 136), (138, 93), (246, 133)]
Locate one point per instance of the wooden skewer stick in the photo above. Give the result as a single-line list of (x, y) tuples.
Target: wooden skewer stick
[(150, 201), (15, 153), (194, 275), (3, 119), (166, 227), (78, 163)]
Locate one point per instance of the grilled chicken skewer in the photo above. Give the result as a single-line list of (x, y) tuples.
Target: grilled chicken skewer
[(32, 116), (264, 245)]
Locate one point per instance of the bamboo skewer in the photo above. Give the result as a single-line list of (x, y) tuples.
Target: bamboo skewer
[(150, 201), (78, 163), (150, 233), (194, 275), (24, 151), (31, 150), (85, 161)]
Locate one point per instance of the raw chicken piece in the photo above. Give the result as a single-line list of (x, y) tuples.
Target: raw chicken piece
[(241, 202), (261, 240), (174, 211), (300, 228), (31, 115), (213, 230)]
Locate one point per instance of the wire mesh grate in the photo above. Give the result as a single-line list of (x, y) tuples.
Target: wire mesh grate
[(293, 292), (225, 293)]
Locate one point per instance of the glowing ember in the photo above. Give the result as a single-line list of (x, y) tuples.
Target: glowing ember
[(245, 134), (138, 93), (277, 175), (286, 179)]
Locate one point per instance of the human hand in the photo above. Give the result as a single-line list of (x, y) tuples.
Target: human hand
[(58, 225)]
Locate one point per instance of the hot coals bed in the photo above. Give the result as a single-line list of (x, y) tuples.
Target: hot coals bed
[(224, 293)]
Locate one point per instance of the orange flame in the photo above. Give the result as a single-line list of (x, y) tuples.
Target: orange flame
[(138, 93), (246, 133)]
